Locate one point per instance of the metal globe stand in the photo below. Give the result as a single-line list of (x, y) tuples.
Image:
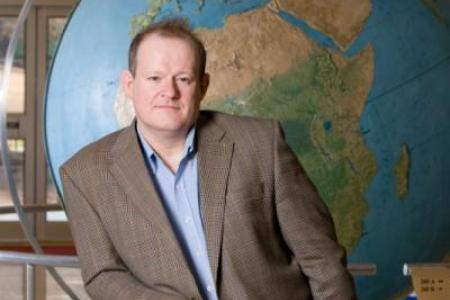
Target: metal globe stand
[(29, 259)]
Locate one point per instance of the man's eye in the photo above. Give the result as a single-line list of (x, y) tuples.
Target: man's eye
[(184, 79), (153, 78)]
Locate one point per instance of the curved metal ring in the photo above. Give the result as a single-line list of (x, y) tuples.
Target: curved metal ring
[(24, 221)]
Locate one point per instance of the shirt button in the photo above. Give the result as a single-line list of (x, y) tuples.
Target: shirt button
[(197, 253), (187, 220), (209, 288)]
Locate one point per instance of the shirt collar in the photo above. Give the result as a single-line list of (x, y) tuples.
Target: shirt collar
[(151, 155)]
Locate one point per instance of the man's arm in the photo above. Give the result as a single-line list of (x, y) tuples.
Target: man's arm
[(307, 227), (104, 274)]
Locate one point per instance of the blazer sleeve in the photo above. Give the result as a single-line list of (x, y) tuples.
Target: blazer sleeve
[(104, 274), (307, 226)]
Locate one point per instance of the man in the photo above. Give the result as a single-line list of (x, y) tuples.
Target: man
[(196, 205)]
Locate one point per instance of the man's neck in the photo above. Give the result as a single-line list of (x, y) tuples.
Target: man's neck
[(168, 145)]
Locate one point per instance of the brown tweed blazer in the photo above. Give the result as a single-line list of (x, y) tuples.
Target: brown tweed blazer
[(268, 234)]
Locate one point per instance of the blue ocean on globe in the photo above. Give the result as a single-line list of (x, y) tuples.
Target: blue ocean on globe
[(408, 104)]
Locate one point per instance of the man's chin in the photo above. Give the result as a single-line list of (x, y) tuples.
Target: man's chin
[(174, 129)]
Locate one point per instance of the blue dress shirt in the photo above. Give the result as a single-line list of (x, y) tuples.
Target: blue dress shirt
[(180, 197)]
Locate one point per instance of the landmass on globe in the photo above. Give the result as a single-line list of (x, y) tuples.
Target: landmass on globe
[(271, 68), (270, 48), (342, 20), (140, 21), (401, 171)]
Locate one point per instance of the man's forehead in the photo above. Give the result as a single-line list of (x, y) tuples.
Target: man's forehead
[(155, 43), (159, 39)]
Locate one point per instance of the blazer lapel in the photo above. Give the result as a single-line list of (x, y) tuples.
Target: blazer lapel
[(214, 159), (130, 170)]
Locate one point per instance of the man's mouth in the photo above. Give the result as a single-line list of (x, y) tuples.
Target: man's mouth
[(167, 106)]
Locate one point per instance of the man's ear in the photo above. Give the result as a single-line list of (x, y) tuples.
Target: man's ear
[(127, 81), (204, 84)]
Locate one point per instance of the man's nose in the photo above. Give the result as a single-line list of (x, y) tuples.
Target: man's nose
[(171, 89)]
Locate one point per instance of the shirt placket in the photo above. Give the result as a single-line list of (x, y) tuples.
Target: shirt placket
[(191, 229)]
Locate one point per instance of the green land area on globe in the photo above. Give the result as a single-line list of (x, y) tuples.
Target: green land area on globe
[(269, 68)]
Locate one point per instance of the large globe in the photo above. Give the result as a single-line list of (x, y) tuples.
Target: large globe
[(360, 87)]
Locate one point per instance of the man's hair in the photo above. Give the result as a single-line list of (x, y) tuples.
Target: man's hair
[(172, 28)]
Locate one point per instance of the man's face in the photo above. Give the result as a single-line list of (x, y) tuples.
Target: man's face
[(166, 90)]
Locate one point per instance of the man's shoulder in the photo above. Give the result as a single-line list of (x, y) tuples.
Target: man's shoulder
[(95, 153), (238, 125)]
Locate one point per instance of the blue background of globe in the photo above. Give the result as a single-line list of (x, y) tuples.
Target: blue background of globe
[(408, 104)]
